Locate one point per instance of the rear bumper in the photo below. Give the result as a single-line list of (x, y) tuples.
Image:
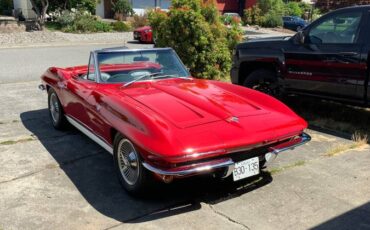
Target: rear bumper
[(226, 163)]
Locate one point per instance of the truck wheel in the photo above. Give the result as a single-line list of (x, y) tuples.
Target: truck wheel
[(56, 111), (264, 81), (128, 164)]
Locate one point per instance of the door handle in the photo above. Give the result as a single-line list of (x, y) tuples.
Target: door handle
[(348, 54)]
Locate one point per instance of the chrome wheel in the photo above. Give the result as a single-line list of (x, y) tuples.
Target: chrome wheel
[(128, 162), (54, 108)]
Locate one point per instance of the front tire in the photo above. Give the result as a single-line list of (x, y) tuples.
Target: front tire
[(128, 164), (56, 112), (264, 81)]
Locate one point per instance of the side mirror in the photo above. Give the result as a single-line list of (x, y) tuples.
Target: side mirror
[(300, 37)]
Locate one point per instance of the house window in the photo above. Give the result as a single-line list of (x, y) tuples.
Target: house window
[(143, 4), (147, 4)]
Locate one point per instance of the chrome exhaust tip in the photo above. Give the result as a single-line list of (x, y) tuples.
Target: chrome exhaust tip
[(270, 157)]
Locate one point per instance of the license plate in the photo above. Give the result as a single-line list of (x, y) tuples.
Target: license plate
[(247, 168)]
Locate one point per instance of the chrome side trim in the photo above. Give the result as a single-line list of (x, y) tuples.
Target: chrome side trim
[(193, 169), (302, 139), (90, 134)]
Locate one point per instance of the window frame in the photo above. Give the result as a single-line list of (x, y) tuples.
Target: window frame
[(359, 33)]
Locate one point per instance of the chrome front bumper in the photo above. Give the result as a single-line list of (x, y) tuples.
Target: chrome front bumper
[(227, 163)]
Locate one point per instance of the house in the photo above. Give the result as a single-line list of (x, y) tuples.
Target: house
[(104, 8), (327, 5)]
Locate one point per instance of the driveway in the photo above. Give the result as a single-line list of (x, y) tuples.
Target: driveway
[(62, 180)]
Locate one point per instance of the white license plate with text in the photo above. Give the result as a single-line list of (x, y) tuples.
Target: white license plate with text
[(247, 168)]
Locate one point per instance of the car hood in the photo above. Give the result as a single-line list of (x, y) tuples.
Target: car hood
[(192, 103), (264, 42), (143, 28)]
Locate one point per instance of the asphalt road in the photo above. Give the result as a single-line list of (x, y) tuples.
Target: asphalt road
[(27, 64), (63, 180)]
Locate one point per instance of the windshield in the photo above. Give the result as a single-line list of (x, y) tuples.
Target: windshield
[(129, 66)]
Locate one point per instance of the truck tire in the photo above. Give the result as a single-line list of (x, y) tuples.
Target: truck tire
[(264, 81)]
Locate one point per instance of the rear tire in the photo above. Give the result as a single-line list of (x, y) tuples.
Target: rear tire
[(56, 111), (132, 175), (264, 81)]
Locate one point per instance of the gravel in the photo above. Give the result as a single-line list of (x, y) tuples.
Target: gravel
[(44, 38)]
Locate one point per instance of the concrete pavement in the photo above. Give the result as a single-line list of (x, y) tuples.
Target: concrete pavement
[(62, 180)]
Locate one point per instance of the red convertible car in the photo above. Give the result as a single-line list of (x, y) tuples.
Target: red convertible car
[(161, 124)]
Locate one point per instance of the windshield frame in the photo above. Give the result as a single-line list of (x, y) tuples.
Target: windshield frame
[(126, 50)]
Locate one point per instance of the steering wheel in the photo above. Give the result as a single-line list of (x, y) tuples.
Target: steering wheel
[(105, 76)]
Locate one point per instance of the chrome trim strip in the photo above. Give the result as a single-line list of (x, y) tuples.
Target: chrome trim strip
[(204, 167), (90, 134), (304, 139)]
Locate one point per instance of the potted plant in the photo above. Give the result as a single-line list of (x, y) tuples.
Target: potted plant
[(122, 9)]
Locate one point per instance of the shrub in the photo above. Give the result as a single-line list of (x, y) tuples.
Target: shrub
[(193, 28), (6, 6), (293, 9), (89, 5), (85, 23), (140, 21), (272, 19), (120, 26), (252, 16), (78, 21), (65, 17), (122, 7), (266, 6)]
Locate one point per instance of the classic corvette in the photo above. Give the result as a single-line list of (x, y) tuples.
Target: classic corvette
[(161, 124)]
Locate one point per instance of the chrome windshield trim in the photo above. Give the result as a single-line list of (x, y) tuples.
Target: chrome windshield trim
[(192, 169)]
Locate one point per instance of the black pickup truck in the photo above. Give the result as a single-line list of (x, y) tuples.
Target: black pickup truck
[(329, 59)]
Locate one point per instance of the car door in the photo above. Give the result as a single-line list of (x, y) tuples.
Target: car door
[(364, 84), (79, 90), (329, 62)]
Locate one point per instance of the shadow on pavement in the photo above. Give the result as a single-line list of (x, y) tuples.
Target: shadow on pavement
[(333, 118), (90, 168), (358, 218)]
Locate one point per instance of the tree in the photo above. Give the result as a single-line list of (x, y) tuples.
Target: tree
[(40, 7)]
